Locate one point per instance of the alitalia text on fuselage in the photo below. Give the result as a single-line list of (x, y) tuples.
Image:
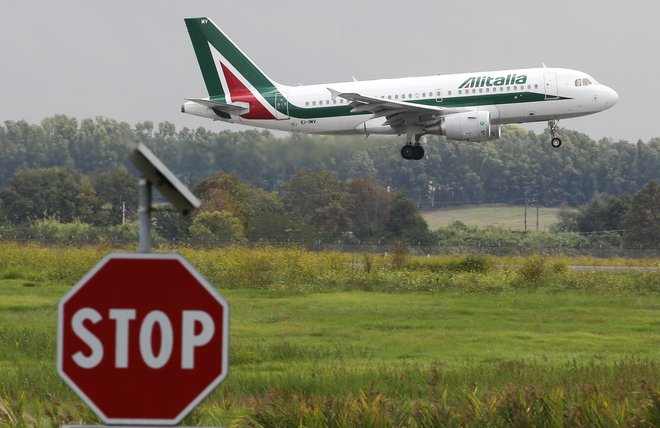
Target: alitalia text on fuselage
[(481, 81)]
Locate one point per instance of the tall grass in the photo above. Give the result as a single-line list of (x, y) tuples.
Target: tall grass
[(298, 270), (64, 264), (515, 406), (454, 341)]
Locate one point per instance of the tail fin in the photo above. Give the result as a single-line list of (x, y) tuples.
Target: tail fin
[(230, 76)]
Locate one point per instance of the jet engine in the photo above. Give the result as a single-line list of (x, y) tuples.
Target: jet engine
[(467, 126)]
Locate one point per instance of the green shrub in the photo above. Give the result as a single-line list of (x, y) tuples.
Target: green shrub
[(532, 269), (559, 267)]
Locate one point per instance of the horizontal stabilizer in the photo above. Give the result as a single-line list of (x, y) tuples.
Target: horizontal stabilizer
[(236, 109)]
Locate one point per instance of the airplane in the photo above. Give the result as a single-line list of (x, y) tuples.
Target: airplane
[(462, 107)]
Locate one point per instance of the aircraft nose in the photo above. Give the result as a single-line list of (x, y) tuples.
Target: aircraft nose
[(604, 97), (611, 97)]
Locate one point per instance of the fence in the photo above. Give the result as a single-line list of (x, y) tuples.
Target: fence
[(601, 251)]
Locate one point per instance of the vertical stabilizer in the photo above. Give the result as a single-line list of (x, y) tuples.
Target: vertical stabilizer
[(228, 73)]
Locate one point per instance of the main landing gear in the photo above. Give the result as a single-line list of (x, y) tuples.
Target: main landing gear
[(412, 151), (553, 125)]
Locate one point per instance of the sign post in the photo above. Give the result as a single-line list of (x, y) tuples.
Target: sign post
[(144, 208), (143, 338)]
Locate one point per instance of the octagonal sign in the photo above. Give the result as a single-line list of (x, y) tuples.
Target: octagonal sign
[(143, 338)]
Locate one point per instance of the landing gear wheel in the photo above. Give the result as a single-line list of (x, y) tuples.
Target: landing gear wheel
[(408, 151), (412, 152), (552, 126), (419, 152)]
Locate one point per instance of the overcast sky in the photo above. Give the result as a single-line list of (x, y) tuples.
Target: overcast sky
[(133, 60)]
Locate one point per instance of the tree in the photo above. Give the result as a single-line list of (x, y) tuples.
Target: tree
[(102, 144), (371, 208), (171, 225), (224, 192), (601, 213), (642, 220), (50, 193), (317, 197), (405, 223), (216, 227), (118, 190), (268, 221)]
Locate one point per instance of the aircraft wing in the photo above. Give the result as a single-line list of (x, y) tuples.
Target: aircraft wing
[(236, 109), (396, 112)]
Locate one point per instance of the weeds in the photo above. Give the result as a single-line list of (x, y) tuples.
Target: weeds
[(300, 356), (300, 271), (532, 270), (515, 406)]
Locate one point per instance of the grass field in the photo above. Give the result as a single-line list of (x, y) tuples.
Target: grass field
[(506, 216), (446, 346)]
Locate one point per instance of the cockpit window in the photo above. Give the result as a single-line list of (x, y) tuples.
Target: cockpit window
[(582, 82)]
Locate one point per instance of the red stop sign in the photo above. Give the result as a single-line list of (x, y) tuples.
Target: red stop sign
[(143, 338)]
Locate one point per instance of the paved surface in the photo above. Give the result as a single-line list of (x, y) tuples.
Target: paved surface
[(612, 269)]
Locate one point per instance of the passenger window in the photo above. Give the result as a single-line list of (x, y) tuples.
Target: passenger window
[(396, 97), (424, 94), (409, 96), (536, 86), (460, 92), (474, 91), (487, 89), (313, 103), (481, 90), (417, 95), (403, 96), (449, 93), (334, 101), (508, 88), (307, 104)]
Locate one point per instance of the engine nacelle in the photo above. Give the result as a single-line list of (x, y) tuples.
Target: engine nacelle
[(468, 126)]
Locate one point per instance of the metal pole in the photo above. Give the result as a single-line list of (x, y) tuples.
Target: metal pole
[(145, 215), (537, 216)]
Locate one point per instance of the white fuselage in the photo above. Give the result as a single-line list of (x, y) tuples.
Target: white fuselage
[(545, 94)]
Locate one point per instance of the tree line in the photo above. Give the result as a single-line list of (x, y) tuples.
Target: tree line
[(314, 206), (518, 167), (57, 205), (632, 219)]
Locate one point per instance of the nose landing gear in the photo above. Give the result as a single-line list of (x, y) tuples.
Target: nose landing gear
[(553, 125)]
